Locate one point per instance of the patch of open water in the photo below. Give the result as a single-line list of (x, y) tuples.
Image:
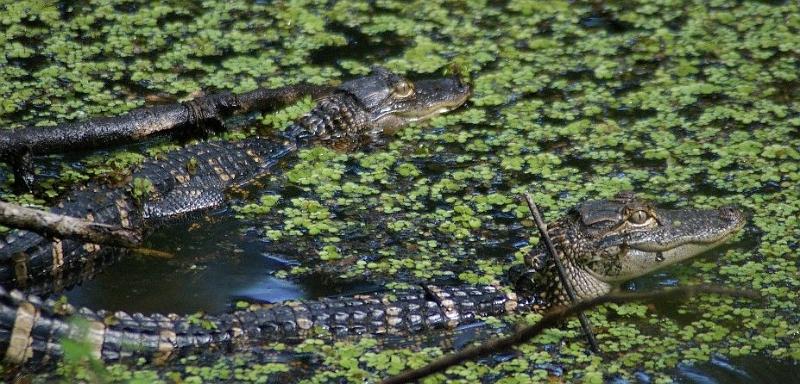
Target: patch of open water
[(217, 261)]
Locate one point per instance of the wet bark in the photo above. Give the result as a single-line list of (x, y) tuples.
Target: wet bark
[(50, 224)]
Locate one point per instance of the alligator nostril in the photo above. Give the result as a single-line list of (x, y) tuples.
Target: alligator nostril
[(730, 213)]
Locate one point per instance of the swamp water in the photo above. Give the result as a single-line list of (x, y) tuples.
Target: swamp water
[(690, 103)]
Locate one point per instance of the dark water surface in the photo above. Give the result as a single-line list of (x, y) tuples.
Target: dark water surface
[(217, 261), (744, 370)]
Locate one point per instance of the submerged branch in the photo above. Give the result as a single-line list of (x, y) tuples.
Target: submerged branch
[(555, 317), (54, 225)]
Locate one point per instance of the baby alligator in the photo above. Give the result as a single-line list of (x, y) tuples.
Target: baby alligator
[(195, 178), (600, 242)]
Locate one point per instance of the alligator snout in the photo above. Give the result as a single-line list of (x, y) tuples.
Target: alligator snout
[(462, 87), (731, 213)]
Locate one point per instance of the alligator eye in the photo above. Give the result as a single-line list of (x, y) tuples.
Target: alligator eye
[(403, 89), (638, 217)]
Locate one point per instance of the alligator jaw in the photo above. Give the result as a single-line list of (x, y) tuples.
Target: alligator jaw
[(678, 235), (427, 99), (707, 228), (683, 234)]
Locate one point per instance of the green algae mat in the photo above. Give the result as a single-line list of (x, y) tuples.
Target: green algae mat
[(689, 103)]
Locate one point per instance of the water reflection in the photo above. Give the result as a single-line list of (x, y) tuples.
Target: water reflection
[(749, 369)]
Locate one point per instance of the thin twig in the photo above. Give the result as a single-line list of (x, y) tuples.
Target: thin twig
[(150, 252), (54, 225), (554, 318), (562, 274)]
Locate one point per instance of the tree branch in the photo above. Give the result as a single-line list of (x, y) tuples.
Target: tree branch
[(562, 274), (191, 118), (554, 318), (54, 225)]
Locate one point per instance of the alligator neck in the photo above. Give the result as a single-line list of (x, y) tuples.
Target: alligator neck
[(546, 283)]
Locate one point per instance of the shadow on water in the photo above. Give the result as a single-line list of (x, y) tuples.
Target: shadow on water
[(359, 47)]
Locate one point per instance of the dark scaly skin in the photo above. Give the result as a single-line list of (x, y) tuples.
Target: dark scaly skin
[(33, 262), (589, 240), (123, 337), (195, 178)]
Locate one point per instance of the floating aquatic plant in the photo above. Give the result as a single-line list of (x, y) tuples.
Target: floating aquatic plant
[(689, 103)]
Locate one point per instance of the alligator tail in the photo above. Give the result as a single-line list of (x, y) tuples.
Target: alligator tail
[(32, 331)]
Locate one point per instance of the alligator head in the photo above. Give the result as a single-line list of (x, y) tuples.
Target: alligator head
[(364, 109), (605, 242)]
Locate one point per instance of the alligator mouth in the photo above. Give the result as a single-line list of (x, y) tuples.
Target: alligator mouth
[(433, 112), (696, 230), (448, 102), (681, 235), (431, 98)]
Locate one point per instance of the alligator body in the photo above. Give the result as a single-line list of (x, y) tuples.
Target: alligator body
[(600, 242), (195, 178)]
